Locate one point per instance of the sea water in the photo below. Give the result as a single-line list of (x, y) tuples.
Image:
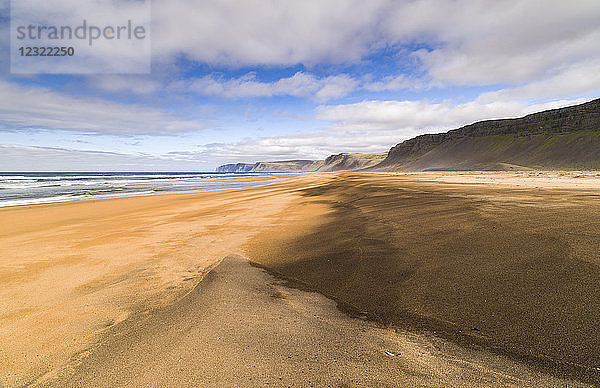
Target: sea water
[(45, 187)]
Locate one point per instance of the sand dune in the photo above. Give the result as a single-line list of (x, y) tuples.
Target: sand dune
[(243, 327)]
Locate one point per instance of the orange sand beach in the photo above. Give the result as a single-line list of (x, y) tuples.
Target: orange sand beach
[(476, 283), (245, 179)]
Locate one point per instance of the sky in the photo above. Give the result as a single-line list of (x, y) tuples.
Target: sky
[(263, 80)]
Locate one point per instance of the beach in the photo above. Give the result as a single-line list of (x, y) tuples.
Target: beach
[(463, 278), (70, 270)]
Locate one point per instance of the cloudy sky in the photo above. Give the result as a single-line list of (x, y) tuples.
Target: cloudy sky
[(257, 80)]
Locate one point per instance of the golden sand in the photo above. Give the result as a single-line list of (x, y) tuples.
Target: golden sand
[(68, 271), (245, 179)]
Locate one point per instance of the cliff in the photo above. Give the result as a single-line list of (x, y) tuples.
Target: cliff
[(283, 166), (338, 162), (566, 138), (345, 161)]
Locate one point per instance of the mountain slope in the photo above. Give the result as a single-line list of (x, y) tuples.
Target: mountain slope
[(339, 162), (566, 138), (282, 166), (346, 161)]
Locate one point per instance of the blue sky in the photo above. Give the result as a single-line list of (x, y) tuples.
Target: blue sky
[(262, 80)]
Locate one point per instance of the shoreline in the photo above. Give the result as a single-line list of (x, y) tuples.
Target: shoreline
[(245, 182), (567, 180)]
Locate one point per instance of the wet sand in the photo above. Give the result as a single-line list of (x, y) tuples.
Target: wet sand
[(508, 272)]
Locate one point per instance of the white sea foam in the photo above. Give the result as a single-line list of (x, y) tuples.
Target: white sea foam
[(36, 188)]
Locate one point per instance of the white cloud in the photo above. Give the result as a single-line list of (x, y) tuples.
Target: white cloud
[(5, 32), (273, 33), (298, 85), (482, 42), (336, 87), (301, 84), (27, 158), (129, 84), (399, 82), (467, 41), (119, 54), (317, 145), (38, 108), (417, 117), (574, 80)]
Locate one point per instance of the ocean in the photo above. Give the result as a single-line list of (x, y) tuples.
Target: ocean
[(46, 187)]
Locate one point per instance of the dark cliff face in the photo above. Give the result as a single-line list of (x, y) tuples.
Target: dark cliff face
[(549, 139), (415, 146), (573, 118)]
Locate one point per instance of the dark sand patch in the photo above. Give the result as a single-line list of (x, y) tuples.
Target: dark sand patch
[(243, 327), (452, 259)]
